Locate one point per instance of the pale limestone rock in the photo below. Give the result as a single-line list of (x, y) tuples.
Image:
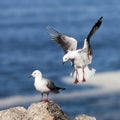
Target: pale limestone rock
[(45, 111), (84, 117), (39, 111), (1, 113), (16, 113)]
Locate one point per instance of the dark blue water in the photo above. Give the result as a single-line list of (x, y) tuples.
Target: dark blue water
[(26, 46)]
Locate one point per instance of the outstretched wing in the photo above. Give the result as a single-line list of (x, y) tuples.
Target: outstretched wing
[(67, 43), (92, 31), (94, 28)]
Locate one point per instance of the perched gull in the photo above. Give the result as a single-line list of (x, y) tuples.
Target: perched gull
[(44, 85), (80, 58)]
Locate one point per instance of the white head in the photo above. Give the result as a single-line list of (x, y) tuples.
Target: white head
[(69, 56), (36, 73), (65, 58)]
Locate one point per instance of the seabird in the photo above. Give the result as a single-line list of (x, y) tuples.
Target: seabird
[(43, 85), (80, 58)]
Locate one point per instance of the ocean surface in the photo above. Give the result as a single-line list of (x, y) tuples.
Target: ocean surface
[(26, 46)]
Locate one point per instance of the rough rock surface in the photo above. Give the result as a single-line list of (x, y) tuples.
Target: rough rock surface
[(84, 117), (39, 111), (45, 111), (16, 113)]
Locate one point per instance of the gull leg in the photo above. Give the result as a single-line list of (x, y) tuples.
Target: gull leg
[(72, 73), (46, 100), (83, 80), (41, 97), (76, 79)]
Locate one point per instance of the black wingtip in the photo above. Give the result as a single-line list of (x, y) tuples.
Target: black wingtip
[(100, 19), (63, 88), (99, 22), (59, 88), (94, 28)]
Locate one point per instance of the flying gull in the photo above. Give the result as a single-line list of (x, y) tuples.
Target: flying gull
[(80, 58), (43, 85)]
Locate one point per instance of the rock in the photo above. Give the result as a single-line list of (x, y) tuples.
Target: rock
[(84, 117), (39, 111), (1, 113), (16, 113), (45, 111)]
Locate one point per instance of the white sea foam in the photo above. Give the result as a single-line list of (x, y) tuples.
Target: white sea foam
[(105, 82)]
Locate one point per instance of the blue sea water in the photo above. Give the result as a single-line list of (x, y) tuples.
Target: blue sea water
[(26, 46)]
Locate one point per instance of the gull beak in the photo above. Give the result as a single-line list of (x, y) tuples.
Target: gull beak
[(63, 62), (30, 76)]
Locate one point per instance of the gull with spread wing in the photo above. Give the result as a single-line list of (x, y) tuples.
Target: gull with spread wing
[(80, 58)]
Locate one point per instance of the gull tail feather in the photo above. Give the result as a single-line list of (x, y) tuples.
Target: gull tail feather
[(89, 72), (57, 90)]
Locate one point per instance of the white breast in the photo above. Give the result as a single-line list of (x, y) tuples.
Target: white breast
[(82, 59), (41, 85)]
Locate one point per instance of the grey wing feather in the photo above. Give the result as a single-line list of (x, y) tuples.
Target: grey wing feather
[(52, 86), (67, 43)]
